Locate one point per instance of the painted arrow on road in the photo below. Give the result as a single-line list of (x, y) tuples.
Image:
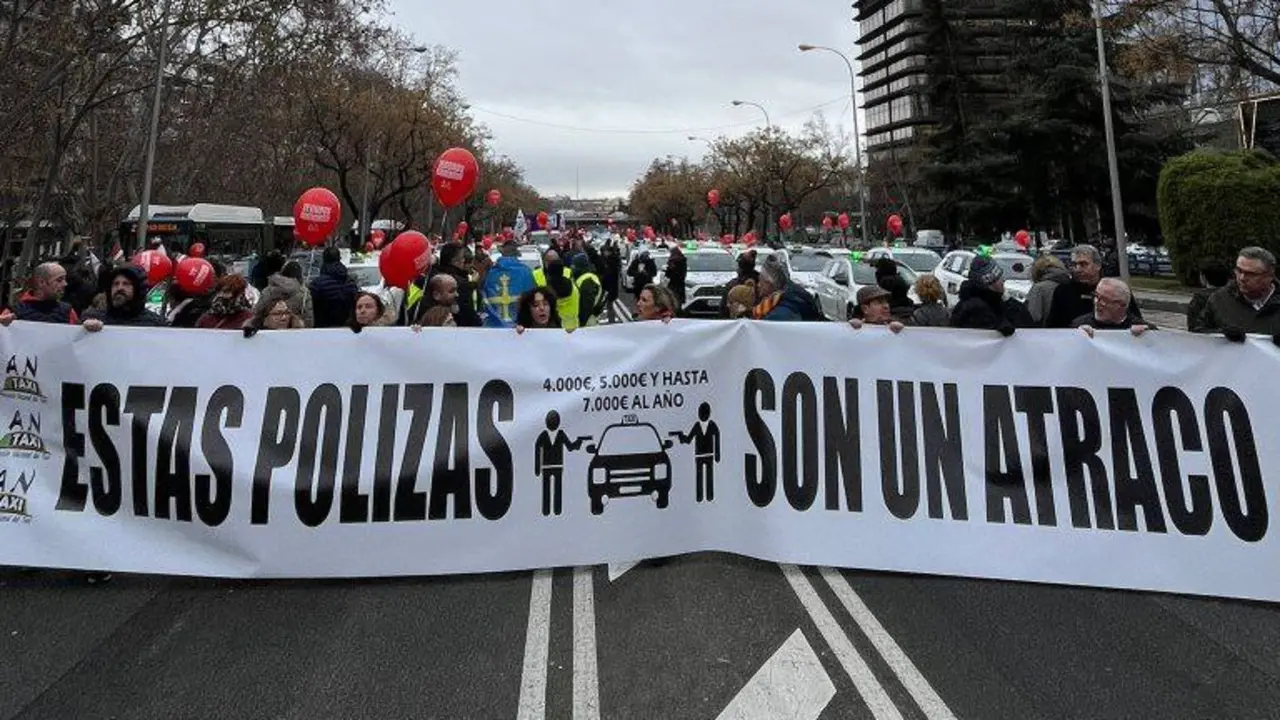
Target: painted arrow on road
[(791, 684)]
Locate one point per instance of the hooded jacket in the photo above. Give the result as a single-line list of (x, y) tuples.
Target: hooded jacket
[(981, 308), (794, 304), (135, 312), (333, 293), (1040, 298)]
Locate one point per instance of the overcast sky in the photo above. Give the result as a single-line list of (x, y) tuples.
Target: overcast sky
[(637, 65)]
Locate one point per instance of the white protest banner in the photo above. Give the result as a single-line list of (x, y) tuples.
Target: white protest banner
[(1116, 462)]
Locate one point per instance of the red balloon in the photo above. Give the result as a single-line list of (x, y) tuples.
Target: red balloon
[(316, 216), (749, 239), (784, 222), (543, 219), (649, 234), (827, 222), (487, 243), (843, 221), (1023, 238), (895, 224), (713, 198), (155, 264), (508, 233), (407, 257), (631, 233), (454, 176), (727, 239), (195, 275), (493, 197), (196, 250), (376, 238)]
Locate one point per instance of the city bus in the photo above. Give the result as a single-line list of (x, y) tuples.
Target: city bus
[(227, 232)]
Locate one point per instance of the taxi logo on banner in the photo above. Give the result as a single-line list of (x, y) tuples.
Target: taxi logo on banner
[(22, 437), (14, 490), (20, 379)]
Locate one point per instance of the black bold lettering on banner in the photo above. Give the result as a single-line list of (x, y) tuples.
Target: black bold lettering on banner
[(1001, 441), (901, 499), (142, 403), (494, 488), (1081, 432), (72, 494), (451, 474), (386, 452), (411, 503), (107, 481), (1129, 443), (173, 458), (213, 494), (1248, 520), (275, 446), (943, 451), (800, 427), (842, 444), (314, 488), (1037, 404), (762, 471), (1196, 517), (354, 505)]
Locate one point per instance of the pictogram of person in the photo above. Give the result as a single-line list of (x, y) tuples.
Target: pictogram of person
[(548, 461), (705, 437)]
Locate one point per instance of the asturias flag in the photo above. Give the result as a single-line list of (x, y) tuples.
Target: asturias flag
[(503, 285)]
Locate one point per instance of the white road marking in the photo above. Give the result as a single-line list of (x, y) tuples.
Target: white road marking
[(919, 688), (586, 679), (617, 570), (791, 684), (872, 692), (537, 643)]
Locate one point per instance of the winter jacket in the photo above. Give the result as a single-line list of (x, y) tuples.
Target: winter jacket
[(135, 313), (333, 294), (1040, 297), (1227, 309), (189, 311), (932, 314), (900, 304), (677, 272), (984, 309), (467, 316), (1073, 299), (642, 272), (1195, 309), (33, 309), (794, 304), (295, 295)]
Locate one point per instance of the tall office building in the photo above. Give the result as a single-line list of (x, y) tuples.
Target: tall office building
[(900, 42)]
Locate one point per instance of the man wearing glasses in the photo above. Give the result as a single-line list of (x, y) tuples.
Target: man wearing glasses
[(1074, 299), (1111, 301), (1249, 303)]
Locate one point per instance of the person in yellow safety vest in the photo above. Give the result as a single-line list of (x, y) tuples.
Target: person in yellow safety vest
[(555, 275), (590, 291)]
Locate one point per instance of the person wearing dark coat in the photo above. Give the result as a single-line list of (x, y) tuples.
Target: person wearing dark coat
[(453, 262), (642, 271), (610, 275), (677, 271), (747, 273), (126, 302), (982, 303), (1075, 298), (333, 292)]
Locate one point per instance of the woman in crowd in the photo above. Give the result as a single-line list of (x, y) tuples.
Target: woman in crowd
[(655, 302), (438, 316), (1047, 273), (933, 303), (741, 300), (273, 313), (230, 309), (289, 282), (537, 310), (369, 311)]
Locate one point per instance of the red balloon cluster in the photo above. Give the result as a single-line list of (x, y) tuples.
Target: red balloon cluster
[(713, 198), (194, 275), (316, 215), (784, 222), (407, 257), (155, 264), (895, 224), (454, 176)]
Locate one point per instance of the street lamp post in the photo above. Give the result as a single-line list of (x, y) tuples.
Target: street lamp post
[(1113, 164), (857, 137), (144, 207), (758, 106)]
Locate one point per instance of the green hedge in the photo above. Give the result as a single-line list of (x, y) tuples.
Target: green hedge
[(1213, 203)]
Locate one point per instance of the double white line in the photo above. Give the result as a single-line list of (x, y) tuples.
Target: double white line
[(537, 646), (855, 666)]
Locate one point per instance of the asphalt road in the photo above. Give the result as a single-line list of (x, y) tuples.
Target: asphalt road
[(691, 638)]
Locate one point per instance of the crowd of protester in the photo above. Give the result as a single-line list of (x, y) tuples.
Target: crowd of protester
[(577, 284)]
